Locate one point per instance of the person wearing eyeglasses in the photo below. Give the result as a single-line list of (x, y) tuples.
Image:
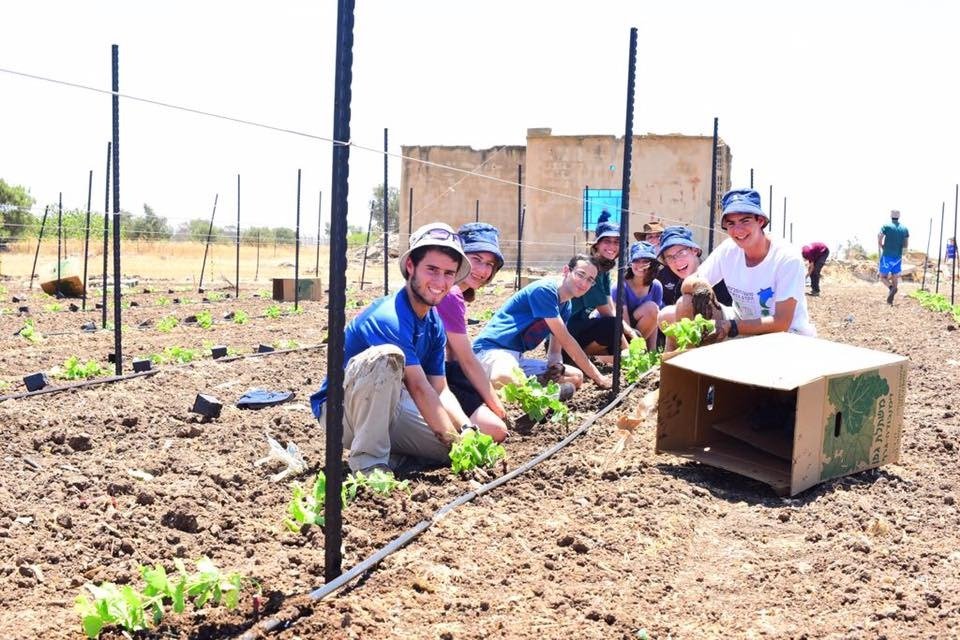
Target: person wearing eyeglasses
[(643, 294), (539, 311), (680, 258), (593, 319), (765, 276), (465, 375), (396, 402)]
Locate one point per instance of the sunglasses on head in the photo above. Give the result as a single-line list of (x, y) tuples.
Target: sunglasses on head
[(437, 233)]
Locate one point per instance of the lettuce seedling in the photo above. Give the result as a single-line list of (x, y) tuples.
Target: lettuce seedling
[(474, 449), (689, 333), (204, 319), (29, 332), (73, 369), (638, 360), (535, 399), (166, 325), (240, 317)]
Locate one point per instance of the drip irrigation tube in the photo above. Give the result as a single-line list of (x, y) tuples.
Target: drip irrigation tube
[(138, 374), (406, 537)]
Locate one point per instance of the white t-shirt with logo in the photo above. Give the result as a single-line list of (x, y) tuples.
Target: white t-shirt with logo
[(756, 290)]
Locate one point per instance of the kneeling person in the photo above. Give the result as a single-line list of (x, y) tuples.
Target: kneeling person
[(538, 311), (395, 395)]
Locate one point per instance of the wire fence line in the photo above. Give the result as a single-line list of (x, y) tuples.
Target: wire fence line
[(327, 139)]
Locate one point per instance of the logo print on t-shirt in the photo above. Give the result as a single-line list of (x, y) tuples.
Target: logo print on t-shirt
[(764, 296)]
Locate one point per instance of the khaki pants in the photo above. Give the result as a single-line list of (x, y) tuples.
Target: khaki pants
[(380, 419)]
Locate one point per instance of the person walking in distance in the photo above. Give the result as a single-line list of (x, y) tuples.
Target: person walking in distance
[(892, 241)]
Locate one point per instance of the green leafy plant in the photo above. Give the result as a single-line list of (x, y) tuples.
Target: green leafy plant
[(166, 324), (175, 354), (485, 315), (29, 332), (163, 302), (306, 507), (474, 449), (264, 293), (204, 319), (286, 344), (215, 296), (127, 608), (74, 369), (535, 399), (273, 311), (240, 317), (56, 306), (638, 360), (688, 333)]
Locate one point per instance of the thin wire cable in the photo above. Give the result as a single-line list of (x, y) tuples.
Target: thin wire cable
[(312, 136), (453, 187)]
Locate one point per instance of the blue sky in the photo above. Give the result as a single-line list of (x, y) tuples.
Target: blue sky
[(846, 108)]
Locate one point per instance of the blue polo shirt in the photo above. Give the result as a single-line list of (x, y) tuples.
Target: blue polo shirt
[(519, 325), (391, 320)]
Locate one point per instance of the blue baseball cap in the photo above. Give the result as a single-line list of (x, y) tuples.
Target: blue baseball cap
[(642, 251), (676, 235), (480, 236), (605, 228), (742, 201)]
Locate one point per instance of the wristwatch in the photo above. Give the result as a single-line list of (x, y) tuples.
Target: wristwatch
[(734, 330), (466, 425)]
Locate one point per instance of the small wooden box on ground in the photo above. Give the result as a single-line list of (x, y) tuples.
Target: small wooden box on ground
[(787, 410), (310, 289)]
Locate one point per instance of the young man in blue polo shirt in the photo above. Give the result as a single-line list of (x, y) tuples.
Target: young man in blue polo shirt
[(540, 310), (891, 241), (396, 399)]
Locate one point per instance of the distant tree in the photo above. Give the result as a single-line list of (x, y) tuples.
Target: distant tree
[(393, 208), (251, 235), (149, 227), (284, 235), (15, 216), (196, 231)]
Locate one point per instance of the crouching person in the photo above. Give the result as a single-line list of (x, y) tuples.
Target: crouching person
[(765, 276), (465, 375), (395, 395), (538, 311)]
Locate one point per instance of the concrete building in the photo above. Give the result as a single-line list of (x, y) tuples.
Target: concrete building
[(566, 181)]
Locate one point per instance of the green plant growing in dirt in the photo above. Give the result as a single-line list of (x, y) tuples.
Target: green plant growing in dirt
[(263, 293), (240, 317), (638, 360), (215, 296), (273, 311), (29, 332), (689, 333), (474, 449), (74, 369), (175, 354), (55, 306), (286, 344), (166, 324), (204, 319), (485, 315), (163, 302), (133, 611), (535, 399), (208, 349), (306, 507)]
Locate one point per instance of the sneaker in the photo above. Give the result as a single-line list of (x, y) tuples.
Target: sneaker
[(553, 374), (376, 467), (566, 391), (893, 291)]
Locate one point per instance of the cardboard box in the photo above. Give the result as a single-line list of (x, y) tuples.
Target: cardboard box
[(788, 410), (310, 289)]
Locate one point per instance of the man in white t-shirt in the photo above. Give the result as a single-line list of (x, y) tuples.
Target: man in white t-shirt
[(765, 276)]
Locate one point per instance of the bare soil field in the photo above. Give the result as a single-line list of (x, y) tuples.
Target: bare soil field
[(582, 546)]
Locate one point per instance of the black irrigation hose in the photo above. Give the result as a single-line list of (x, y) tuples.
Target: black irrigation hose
[(406, 537), (137, 374)]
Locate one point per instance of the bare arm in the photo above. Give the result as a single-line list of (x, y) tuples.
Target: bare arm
[(880, 242), (459, 344), (429, 402), (567, 342), (780, 320)]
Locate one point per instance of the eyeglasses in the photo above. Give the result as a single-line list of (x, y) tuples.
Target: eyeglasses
[(582, 275), (437, 233), (677, 255)]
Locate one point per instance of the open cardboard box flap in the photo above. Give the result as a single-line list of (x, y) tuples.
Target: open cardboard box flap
[(788, 410)]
